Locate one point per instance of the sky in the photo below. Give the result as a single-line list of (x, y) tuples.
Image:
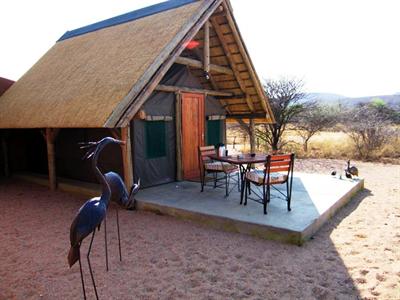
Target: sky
[(346, 47)]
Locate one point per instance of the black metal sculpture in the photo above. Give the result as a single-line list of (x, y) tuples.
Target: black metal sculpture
[(119, 195), (93, 212), (351, 170)]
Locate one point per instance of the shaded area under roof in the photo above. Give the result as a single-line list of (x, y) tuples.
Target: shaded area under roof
[(133, 15), (5, 84)]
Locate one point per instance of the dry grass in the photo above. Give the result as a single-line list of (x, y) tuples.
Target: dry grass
[(326, 144)]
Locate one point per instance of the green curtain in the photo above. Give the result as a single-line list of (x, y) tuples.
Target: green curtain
[(214, 132), (155, 139)]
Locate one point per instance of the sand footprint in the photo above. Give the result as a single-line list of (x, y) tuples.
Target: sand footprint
[(360, 280), (364, 272), (380, 277)]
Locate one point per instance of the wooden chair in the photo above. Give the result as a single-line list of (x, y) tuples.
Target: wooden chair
[(278, 169), (209, 166)]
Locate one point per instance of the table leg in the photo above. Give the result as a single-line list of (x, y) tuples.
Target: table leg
[(242, 182)]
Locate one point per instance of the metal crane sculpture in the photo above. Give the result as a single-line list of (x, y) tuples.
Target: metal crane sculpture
[(119, 194), (90, 215)]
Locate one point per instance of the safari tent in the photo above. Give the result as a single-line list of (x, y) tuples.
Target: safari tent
[(163, 78)]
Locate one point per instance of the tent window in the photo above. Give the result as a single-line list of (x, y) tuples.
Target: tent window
[(155, 139), (214, 132)]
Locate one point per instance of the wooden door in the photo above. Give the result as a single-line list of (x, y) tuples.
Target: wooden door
[(192, 133)]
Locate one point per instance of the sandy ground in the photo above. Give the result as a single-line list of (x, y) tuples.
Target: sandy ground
[(355, 255)]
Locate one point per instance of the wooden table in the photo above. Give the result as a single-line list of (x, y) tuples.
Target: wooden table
[(244, 161)]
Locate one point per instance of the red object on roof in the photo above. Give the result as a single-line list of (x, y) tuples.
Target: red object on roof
[(5, 84), (192, 44)]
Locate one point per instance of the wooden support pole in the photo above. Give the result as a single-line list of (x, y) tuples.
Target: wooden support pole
[(51, 134), (127, 157), (178, 89), (252, 136), (178, 126), (194, 63), (115, 134), (5, 156), (206, 49)]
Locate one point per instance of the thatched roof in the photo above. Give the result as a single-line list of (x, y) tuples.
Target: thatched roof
[(92, 76)]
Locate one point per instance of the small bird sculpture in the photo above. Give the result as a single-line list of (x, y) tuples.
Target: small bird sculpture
[(348, 175), (353, 170), (90, 215)]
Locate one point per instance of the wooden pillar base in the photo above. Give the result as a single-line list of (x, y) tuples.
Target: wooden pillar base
[(127, 156), (51, 134)]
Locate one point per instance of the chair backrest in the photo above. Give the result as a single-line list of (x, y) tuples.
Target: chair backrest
[(279, 163), (205, 152)]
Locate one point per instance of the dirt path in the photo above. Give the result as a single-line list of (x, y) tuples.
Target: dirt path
[(356, 254)]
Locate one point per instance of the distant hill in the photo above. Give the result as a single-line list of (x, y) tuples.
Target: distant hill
[(327, 98)]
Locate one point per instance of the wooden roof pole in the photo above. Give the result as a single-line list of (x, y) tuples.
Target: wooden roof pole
[(127, 161), (50, 136), (200, 65), (175, 89), (252, 136), (243, 51), (178, 128), (235, 70), (206, 48)]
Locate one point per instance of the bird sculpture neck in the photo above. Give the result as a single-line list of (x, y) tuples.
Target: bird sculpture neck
[(106, 190)]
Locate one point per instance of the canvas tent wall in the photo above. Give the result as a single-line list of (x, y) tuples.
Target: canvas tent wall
[(154, 140)]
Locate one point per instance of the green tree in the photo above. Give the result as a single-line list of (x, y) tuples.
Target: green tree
[(285, 97)]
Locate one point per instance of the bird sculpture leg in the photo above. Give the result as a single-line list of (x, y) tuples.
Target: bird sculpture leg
[(105, 240), (119, 238), (83, 283), (90, 266)]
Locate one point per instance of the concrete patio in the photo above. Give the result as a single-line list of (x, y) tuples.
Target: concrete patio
[(315, 199)]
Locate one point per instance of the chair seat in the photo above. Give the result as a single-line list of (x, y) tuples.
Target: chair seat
[(257, 176), (221, 167)]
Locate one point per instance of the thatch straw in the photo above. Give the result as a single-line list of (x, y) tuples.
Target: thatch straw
[(80, 81)]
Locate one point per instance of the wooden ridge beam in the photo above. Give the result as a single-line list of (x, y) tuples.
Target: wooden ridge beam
[(248, 116), (231, 61), (178, 89), (236, 97), (198, 64)]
